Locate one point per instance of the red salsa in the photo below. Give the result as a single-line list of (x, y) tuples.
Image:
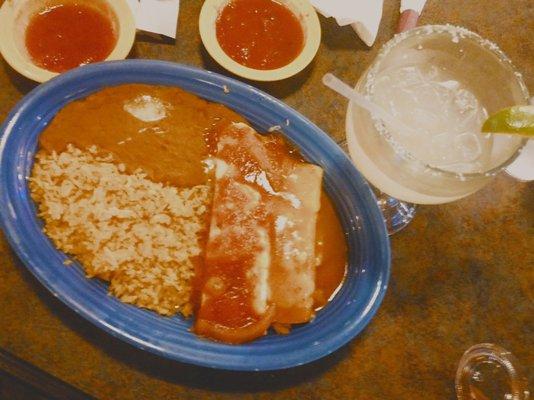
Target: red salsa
[(260, 34), (65, 36)]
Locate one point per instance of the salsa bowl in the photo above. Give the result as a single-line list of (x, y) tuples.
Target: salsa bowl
[(14, 20)]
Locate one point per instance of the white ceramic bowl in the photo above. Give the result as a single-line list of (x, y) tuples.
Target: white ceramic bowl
[(312, 38), (14, 18)]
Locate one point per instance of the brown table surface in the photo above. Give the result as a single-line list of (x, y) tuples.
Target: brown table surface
[(462, 273)]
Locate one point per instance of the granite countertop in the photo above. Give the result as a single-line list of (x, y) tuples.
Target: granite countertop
[(462, 273)]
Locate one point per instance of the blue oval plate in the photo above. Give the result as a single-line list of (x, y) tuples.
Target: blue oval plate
[(341, 320)]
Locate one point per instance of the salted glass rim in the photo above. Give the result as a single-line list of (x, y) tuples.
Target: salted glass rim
[(462, 34)]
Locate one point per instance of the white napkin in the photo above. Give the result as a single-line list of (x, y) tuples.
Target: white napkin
[(156, 16), (416, 5), (363, 15), (523, 166)]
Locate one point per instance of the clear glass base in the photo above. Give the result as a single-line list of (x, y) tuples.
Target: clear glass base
[(487, 371), (397, 214)]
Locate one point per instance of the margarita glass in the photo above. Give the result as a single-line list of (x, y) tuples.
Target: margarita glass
[(440, 82)]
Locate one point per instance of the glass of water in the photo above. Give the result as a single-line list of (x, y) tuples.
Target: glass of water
[(440, 83)]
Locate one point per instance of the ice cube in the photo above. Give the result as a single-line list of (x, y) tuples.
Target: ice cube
[(450, 85), (468, 121), (468, 145), (440, 151), (465, 100), (448, 150)]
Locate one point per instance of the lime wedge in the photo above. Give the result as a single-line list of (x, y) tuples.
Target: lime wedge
[(516, 119)]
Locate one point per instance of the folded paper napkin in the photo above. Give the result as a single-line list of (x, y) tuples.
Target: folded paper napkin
[(523, 166), (363, 15), (156, 16), (416, 5)]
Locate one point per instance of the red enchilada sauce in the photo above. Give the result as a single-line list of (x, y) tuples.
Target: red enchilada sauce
[(65, 36), (260, 34)]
